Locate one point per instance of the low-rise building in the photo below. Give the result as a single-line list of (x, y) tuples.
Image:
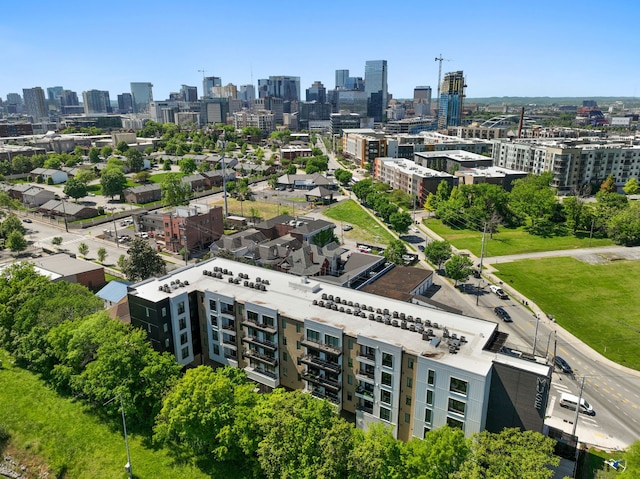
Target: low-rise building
[(57, 176), (451, 160), (192, 227), (493, 175), (143, 194), (62, 267)]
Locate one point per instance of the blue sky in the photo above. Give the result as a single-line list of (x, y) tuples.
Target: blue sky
[(505, 48)]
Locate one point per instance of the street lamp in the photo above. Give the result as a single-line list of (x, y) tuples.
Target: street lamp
[(127, 466), (115, 230), (222, 143)]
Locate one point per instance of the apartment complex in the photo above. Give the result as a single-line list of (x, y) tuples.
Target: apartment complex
[(377, 359), (573, 163), (363, 145)]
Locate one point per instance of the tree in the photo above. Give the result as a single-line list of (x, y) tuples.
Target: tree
[(316, 164), (94, 155), (113, 181), (84, 175), (187, 165), (362, 188), (11, 223), (102, 254), (174, 191), (143, 261), (394, 252), (106, 152), (574, 211), (122, 146), (458, 268), (75, 188), (343, 176), (16, 241), (400, 221), (609, 185), (533, 197), (83, 249), (631, 187), (375, 454), (135, 161), (440, 454), (510, 453), (56, 240), (624, 226), (142, 177), (437, 252)]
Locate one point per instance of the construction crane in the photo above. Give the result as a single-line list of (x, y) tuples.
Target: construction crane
[(440, 59), (203, 71)]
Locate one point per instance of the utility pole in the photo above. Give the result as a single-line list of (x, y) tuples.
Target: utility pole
[(223, 146), (484, 233), (535, 335), (575, 419)]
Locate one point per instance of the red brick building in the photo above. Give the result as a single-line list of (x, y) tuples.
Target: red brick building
[(194, 226)]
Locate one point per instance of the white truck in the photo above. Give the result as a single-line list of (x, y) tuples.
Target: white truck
[(497, 290)]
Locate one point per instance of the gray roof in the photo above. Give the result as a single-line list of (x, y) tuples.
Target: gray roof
[(143, 188)]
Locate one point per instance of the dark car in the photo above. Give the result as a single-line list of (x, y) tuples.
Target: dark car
[(563, 365), (27, 220), (502, 313)]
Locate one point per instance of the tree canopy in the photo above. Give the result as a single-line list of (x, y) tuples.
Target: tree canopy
[(394, 251), (174, 191), (143, 261)]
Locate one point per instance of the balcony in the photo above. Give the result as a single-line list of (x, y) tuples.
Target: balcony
[(321, 346), (262, 376), (325, 395), (367, 409), (365, 375), (319, 363), (321, 381), (363, 393), (231, 327), (367, 358), (260, 342), (262, 326), (270, 360)]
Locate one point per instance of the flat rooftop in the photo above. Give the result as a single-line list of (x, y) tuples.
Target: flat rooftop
[(294, 296)]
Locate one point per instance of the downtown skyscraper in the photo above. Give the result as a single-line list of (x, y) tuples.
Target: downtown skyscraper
[(451, 99), (375, 86)]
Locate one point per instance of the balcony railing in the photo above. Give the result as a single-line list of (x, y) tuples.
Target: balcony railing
[(365, 409), (365, 393), (229, 327), (364, 375), (263, 372), (263, 326), (366, 356), (326, 365), (260, 342), (317, 379), (321, 346), (326, 395), (261, 357)]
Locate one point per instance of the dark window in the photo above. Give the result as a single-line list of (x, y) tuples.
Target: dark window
[(458, 386), (387, 360)]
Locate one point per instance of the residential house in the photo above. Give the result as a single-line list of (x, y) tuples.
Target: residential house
[(57, 176), (143, 194)]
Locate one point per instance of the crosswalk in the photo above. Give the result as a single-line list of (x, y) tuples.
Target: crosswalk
[(557, 388)]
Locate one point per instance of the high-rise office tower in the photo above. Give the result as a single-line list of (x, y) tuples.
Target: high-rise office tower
[(34, 103), (450, 101), (317, 92), (189, 93), (69, 98), (285, 87), (341, 78), (375, 86), (53, 94), (142, 93), (247, 94), (125, 103), (422, 100), (208, 83), (96, 101), (354, 83)]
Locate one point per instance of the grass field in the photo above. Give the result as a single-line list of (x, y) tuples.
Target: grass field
[(510, 241), (365, 228), (266, 210), (60, 433), (597, 303)]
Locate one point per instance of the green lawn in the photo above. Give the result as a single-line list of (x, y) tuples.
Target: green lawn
[(596, 303), (510, 241), (365, 228), (159, 177), (74, 443)]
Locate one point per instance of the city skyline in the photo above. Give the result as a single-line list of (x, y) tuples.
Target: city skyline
[(557, 49)]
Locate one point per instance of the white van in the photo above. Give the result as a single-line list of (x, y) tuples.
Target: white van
[(570, 402)]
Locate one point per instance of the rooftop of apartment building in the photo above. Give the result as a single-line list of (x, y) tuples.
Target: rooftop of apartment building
[(411, 167), (357, 313), (489, 171), (457, 155)]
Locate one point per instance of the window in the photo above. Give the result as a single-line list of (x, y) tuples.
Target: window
[(284, 323), (429, 396), (455, 423), (427, 415), (216, 350), (431, 378), (407, 401), (252, 316), (226, 308), (298, 327), (458, 386), (182, 323), (386, 379), (181, 309), (185, 352), (350, 362), (387, 360), (349, 379), (214, 321), (349, 397), (350, 343), (409, 382), (165, 327), (284, 340), (164, 312), (212, 305), (385, 396), (407, 417), (313, 335), (166, 343), (410, 363), (285, 357), (426, 430), (183, 338), (298, 345), (268, 320), (285, 371), (385, 414), (214, 335), (331, 341), (456, 406)]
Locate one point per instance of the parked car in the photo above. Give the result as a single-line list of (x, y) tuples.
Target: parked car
[(502, 313), (27, 220), (421, 247), (347, 228), (562, 365)]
